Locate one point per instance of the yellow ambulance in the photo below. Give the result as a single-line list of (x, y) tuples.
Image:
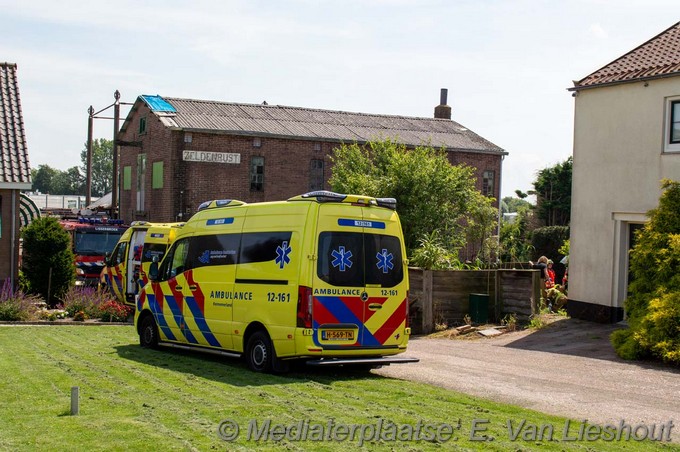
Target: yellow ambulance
[(127, 266), (321, 277)]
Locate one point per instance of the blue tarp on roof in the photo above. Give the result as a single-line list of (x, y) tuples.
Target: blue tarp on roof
[(157, 103)]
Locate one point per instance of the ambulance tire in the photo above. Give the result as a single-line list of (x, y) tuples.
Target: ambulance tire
[(260, 352), (148, 332)]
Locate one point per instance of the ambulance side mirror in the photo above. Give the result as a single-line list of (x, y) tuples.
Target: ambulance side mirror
[(153, 269)]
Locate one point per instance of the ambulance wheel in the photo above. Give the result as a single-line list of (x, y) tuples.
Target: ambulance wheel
[(148, 333), (259, 352)]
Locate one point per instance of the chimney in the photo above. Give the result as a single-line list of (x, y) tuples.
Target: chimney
[(442, 111)]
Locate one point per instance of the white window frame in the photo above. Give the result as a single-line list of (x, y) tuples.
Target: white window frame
[(667, 145)]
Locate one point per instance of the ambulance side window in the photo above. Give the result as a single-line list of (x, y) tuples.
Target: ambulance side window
[(261, 246), (216, 249)]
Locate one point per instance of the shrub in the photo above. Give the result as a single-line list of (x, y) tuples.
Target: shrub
[(653, 307), (625, 344), (48, 262), (15, 305), (80, 316), (113, 311), (659, 330), (510, 321), (85, 299)]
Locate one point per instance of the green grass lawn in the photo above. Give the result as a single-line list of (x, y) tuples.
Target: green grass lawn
[(138, 399)]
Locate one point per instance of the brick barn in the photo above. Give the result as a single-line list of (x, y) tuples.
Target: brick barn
[(177, 153)]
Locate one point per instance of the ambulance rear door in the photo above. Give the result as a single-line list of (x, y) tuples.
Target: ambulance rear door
[(359, 290)]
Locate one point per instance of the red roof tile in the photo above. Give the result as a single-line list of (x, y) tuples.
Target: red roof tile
[(15, 171), (658, 57)]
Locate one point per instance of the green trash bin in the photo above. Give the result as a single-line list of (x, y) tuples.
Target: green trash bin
[(479, 307)]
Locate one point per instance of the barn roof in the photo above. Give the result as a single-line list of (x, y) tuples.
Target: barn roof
[(311, 124)]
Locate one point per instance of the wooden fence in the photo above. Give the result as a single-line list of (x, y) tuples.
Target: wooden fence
[(443, 297)]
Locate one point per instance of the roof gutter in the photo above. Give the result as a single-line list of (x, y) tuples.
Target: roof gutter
[(622, 82)]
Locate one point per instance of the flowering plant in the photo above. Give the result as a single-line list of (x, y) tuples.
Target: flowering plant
[(113, 311)]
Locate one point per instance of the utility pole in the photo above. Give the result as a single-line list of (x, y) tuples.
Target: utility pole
[(116, 128), (88, 176)]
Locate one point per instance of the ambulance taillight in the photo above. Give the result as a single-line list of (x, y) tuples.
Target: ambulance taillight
[(304, 307)]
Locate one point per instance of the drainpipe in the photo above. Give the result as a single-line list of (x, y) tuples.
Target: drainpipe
[(500, 200)]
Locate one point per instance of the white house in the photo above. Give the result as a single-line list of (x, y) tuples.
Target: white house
[(626, 140)]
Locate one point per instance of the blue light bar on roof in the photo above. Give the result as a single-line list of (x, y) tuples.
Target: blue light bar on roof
[(157, 103)]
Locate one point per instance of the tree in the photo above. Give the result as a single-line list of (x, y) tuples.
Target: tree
[(432, 195), (553, 194), (48, 262), (653, 307), (43, 178), (69, 182), (102, 166), (515, 238), (511, 204)]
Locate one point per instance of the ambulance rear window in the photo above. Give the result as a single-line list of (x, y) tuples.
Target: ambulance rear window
[(153, 249), (355, 259)]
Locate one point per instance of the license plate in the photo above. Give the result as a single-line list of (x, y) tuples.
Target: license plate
[(337, 335)]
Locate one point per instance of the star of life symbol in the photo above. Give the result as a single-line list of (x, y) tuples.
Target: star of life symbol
[(282, 253), (342, 258), (385, 261), (205, 257)]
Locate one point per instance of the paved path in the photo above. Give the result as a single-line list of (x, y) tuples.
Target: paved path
[(568, 369)]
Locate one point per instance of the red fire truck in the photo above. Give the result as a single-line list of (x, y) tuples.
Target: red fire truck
[(91, 240)]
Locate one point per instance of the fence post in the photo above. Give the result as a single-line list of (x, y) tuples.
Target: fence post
[(428, 319), (536, 291), (75, 400), (498, 309)]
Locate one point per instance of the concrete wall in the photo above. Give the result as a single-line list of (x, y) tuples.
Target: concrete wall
[(619, 161)]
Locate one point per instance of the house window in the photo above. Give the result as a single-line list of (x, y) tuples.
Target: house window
[(157, 175), (141, 181), (672, 125), (675, 123), (257, 174), (142, 125), (487, 182), (188, 138), (257, 142), (317, 146), (316, 174)]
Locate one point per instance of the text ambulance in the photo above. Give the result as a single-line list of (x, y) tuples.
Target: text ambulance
[(127, 266), (320, 277)]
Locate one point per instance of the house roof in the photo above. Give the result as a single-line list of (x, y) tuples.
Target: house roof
[(311, 124), (15, 171), (656, 58)]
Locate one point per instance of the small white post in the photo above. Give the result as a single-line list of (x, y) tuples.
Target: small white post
[(75, 400)]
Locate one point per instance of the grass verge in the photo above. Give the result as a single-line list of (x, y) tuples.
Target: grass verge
[(138, 399)]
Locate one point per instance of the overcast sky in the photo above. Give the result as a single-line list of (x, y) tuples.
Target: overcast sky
[(506, 64)]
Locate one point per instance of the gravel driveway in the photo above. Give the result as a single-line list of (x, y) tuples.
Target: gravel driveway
[(568, 369)]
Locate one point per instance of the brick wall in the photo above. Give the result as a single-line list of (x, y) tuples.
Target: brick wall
[(287, 168), (6, 235)]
